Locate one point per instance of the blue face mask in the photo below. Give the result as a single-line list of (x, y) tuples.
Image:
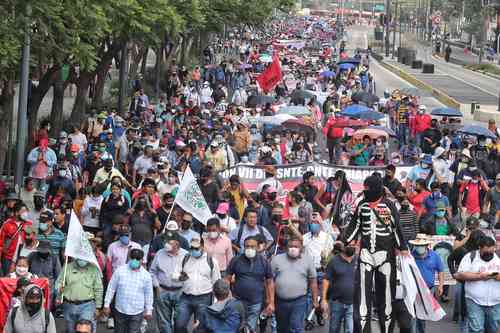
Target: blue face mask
[(196, 253), (440, 213), (436, 195), (314, 228), (134, 263), (81, 263), (124, 239), (43, 226)]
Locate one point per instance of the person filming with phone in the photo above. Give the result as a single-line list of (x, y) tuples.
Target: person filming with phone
[(479, 270)]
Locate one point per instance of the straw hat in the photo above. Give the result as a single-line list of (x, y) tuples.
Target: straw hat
[(421, 240)]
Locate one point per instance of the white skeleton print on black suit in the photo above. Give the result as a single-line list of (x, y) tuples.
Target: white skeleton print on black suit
[(377, 222)]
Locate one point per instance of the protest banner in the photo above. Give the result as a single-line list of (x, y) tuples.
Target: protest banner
[(290, 175)]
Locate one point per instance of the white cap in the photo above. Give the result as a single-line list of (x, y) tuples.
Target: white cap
[(422, 107), (172, 226)]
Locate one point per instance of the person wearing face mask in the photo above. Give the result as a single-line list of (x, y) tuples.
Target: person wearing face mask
[(480, 272), (62, 180), (429, 264), (13, 234), (131, 287), (198, 272), (318, 244), (422, 170), (271, 180), (472, 192), (48, 232), (22, 270), (31, 316), (39, 207), (337, 295), (227, 223), (218, 245), (430, 203), (418, 197), (44, 264), (461, 168), (81, 284), (107, 173), (422, 123), (167, 290), (186, 230), (118, 250), (253, 282), (142, 164), (143, 223), (294, 273)]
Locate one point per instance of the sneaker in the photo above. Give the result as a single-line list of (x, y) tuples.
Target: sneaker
[(111, 324)]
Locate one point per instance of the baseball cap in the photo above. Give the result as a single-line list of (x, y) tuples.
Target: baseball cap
[(172, 226), (223, 208)]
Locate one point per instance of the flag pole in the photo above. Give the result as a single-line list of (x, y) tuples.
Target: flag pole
[(64, 277), (173, 204)]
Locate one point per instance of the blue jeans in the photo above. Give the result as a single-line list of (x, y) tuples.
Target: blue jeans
[(290, 314), (309, 294), (341, 312), (418, 326), (253, 313), (167, 304), (403, 134), (75, 312), (189, 305), (125, 323), (482, 318)]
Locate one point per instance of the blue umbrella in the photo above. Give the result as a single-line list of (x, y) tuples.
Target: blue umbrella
[(349, 61), (446, 112), (354, 110), (327, 74), (477, 131), (370, 115), (346, 66), (383, 128)]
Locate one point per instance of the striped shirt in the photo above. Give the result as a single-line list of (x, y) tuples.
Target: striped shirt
[(408, 222), (56, 238)]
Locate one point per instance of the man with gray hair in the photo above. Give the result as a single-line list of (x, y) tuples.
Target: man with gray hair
[(225, 315)]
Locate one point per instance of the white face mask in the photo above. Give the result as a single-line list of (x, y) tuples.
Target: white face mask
[(293, 252), (25, 216), (21, 270), (168, 247), (213, 234), (250, 253)]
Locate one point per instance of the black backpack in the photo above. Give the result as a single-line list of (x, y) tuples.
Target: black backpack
[(13, 319), (240, 233)]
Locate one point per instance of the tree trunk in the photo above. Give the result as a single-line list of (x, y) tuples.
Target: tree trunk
[(102, 75), (159, 60), (136, 60), (144, 62), (57, 112), (6, 111), (36, 97), (81, 101)]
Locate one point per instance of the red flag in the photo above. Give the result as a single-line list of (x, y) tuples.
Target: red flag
[(271, 76)]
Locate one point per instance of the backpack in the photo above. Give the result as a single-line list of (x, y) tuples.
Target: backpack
[(240, 233), (210, 262), (13, 318)]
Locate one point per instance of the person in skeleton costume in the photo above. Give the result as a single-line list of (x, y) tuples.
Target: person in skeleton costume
[(376, 220)]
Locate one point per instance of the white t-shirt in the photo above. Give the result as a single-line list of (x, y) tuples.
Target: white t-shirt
[(485, 293), (78, 139)]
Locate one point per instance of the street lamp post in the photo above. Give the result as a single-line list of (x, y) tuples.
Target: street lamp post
[(22, 116), (387, 26), (394, 30)]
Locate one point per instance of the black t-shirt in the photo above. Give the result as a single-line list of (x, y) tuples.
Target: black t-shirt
[(142, 227), (211, 193), (340, 274), (393, 185)]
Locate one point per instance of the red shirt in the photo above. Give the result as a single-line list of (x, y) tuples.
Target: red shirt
[(422, 122), (417, 200), (472, 203), (11, 233)]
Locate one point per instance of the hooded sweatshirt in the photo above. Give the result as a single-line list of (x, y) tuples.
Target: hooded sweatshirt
[(32, 324), (221, 317)]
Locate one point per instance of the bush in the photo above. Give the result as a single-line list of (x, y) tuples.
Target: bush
[(489, 68)]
